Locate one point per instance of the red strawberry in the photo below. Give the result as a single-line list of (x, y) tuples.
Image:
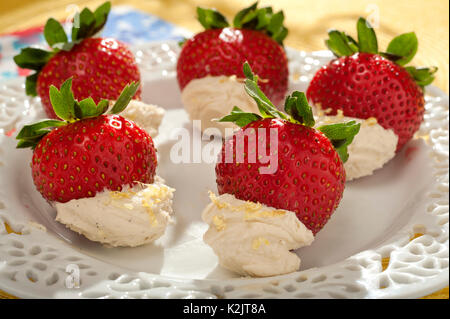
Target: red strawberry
[(365, 83), (89, 151), (256, 37), (100, 67), (309, 177)]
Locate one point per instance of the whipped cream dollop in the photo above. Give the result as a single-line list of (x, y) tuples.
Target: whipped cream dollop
[(252, 239), (213, 97), (146, 116), (131, 217), (371, 148)]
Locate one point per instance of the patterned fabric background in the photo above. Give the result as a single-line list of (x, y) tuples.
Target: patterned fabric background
[(124, 23)]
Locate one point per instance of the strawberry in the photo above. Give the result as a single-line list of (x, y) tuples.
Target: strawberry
[(309, 177), (256, 37), (99, 67), (87, 151), (364, 82)]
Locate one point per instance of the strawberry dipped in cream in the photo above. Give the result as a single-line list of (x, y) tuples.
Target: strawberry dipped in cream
[(98, 170), (276, 169), (209, 67), (374, 88)]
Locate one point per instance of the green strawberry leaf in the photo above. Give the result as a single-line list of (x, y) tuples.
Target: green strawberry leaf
[(390, 56), (30, 84), (34, 130), (240, 16), (28, 143), (367, 38), (87, 108), (101, 15), (276, 29), (54, 33), (422, 76), (86, 21), (265, 106), (341, 136), (341, 44), (30, 135), (240, 118), (63, 101), (182, 42), (32, 58), (404, 46), (352, 43), (211, 19), (296, 105), (262, 19), (90, 23), (125, 97), (249, 73), (102, 107)]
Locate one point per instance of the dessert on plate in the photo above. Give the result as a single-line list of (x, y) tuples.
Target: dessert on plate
[(374, 88), (279, 181), (98, 169), (209, 67)]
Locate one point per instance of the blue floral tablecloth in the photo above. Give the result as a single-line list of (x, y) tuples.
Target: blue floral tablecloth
[(124, 23)]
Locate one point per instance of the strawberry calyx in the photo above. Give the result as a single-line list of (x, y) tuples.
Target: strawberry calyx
[(297, 110), (86, 24), (401, 50), (70, 110), (252, 17)]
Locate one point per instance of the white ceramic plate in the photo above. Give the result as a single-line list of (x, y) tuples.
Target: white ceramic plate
[(377, 217)]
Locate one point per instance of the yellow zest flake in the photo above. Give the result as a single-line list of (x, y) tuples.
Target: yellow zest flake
[(371, 121), (263, 214), (217, 202), (219, 222), (151, 214), (128, 206), (120, 195), (256, 243), (252, 210)]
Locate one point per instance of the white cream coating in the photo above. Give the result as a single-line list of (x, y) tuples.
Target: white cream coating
[(371, 148), (213, 97), (252, 239), (130, 218), (146, 116)]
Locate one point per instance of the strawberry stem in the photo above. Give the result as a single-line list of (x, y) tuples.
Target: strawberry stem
[(297, 110), (70, 110), (253, 18), (401, 50)]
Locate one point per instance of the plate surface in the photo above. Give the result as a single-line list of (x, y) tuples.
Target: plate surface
[(377, 218)]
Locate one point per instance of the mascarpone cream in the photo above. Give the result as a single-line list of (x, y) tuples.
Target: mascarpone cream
[(371, 148), (213, 97), (131, 217), (252, 239), (146, 116)]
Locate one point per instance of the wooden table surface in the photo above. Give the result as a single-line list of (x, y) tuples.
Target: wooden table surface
[(307, 21)]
